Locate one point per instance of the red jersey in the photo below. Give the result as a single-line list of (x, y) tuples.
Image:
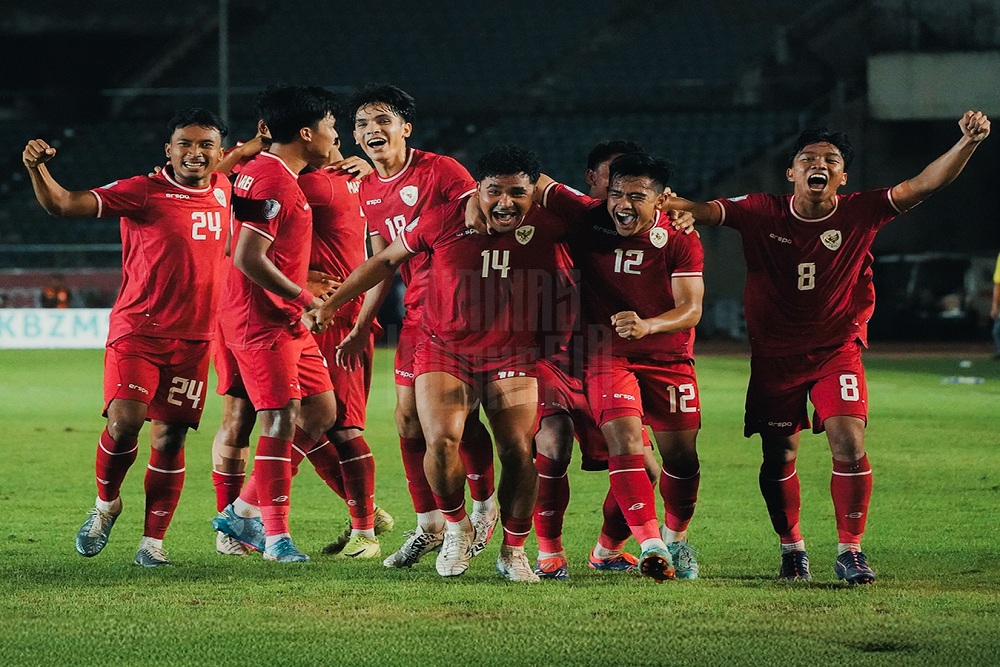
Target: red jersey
[(173, 242), (809, 282), (268, 202), (339, 226), (486, 293), (390, 204), (619, 273)]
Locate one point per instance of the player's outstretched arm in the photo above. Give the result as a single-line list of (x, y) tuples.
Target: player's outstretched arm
[(705, 213), (975, 126), (54, 198), (688, 294), (377, 269), (351, 350)]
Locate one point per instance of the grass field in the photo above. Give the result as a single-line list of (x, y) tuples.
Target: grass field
[(933, 540)]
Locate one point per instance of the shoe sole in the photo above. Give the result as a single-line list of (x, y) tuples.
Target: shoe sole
[(657, 568), (859, 580)]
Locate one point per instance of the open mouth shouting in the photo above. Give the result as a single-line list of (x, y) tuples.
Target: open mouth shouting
[(504, 218), (817, 182), (625, 221)]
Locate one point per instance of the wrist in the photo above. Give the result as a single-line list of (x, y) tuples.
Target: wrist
[(304, 299)]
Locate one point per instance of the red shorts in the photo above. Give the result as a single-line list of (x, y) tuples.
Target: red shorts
[(664, 394), (351, 387), (226, 368), (561, 393), (431, 356), (291, 368), (410, 336), (166, 374), (832, 378)]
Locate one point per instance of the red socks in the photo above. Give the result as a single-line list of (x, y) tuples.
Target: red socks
[(550, 507), (515, 531), (163, 483), (324, 459), (851, 488), (358, 469), (614, 531), (634, 493), (271, 479), (112, 462), (679, 493), (779, 484), (413, 450), (452, 505), (476, 450), (227, 487)]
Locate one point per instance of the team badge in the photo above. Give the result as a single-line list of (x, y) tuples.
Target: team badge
[(524, 234), (220, 196), (831, 238), (271, 208), (409, 195), (658, 237)]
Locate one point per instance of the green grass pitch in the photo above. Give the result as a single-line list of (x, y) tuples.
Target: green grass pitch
[(932, 539)]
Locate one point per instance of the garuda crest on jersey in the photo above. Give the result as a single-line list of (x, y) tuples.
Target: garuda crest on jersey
[(832, 238), (524, 234), (220, 196), (409, 195), (658, 237)]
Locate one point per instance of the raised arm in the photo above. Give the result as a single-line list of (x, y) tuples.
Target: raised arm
[(54, 198), (688, 294), (975, 127), (379, 268)]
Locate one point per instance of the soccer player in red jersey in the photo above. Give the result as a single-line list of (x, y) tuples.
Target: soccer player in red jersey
[(279, 365), (642, 288), (338, 233), (808, 298), (173, 227), (338, 247), (407, 182), (563, 413), (485, 296)]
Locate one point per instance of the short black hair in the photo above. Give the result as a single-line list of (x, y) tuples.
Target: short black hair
[(817, 135), (287, 109), (396, 99), (606, 149), (196, 116), (637, 165), (506, 160)]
